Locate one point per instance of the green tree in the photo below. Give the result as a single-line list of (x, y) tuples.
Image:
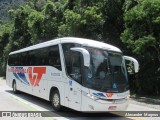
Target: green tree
[(35, 23), (19, 36), (50, 22), (141, 35), (4, 39), (82, 22)]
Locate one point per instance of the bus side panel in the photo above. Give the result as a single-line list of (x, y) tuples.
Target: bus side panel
[(55, 80), (19, 74), (10, 76), (9, 79), (36, 80), (51, 77)]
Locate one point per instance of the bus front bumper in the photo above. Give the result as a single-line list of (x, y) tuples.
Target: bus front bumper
[(90, 105)]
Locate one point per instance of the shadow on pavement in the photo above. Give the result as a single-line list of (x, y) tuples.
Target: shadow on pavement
[(66, 112)]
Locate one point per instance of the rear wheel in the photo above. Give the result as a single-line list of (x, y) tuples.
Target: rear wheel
[(15, 87), (55, 100)]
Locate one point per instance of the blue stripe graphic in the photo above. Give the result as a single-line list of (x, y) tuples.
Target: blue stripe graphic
[(21, 76), (99, 94)]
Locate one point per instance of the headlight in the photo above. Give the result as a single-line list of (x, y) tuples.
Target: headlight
[(92, 97), (128, 96)]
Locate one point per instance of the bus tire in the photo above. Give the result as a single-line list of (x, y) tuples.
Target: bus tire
[(15, 87), (55, 100)]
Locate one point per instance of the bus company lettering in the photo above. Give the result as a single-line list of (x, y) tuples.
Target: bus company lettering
[(35, 79), (17, 70), (34, 74)]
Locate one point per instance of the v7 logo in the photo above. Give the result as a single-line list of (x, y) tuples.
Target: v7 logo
[(38, 72), (109, 95)]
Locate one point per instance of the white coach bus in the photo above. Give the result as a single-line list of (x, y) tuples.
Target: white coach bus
[(81, 74)]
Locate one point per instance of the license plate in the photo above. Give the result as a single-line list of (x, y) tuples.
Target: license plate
[(112, 107)]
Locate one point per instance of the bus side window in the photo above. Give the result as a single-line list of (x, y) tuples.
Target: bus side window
[(31, 58), (43, 56), (11, 60), (54, 57)]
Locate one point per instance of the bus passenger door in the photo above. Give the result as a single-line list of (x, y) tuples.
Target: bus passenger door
[(74, 95), (74, 72)]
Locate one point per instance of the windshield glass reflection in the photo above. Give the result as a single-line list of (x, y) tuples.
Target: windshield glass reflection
[(107, 72)]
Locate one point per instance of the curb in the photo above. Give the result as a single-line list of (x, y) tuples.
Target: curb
[(151, 100), (2, 78)]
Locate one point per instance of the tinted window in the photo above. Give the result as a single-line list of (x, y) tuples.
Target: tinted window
[(32, 58), (39, 57), (11, 60), (54, 57)]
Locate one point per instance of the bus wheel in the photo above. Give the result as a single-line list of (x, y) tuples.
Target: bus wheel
[(15, 87), (55, 100)]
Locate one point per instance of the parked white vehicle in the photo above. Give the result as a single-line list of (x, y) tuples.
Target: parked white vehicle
[(84, 75)]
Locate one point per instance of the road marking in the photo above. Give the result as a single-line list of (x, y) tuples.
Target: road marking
[(38, 107), (33, 107), (23, 104), (135, 118), (2, 82), (21, 100)]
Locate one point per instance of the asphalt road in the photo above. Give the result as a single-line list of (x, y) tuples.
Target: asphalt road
[(25, 102)]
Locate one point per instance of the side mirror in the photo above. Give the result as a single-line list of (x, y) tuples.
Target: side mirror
[(85, 53), (134, 62)]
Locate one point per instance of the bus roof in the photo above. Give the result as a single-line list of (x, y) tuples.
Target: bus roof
[(82, 41)]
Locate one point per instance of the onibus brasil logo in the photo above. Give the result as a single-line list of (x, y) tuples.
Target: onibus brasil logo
[(33, 73)]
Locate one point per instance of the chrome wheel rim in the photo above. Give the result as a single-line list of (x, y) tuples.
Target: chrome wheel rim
[(56, 100)]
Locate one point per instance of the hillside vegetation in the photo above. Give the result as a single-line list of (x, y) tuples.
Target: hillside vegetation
[(131, 25), (6, 5)]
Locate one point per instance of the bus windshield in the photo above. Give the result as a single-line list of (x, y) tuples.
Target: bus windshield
[(107, 72)]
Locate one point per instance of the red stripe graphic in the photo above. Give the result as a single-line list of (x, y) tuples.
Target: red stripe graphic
[(38, 72)]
